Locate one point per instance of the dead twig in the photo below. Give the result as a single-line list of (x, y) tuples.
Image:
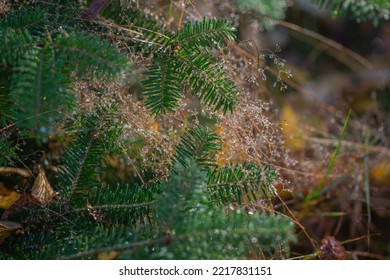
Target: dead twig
[(350, 58)]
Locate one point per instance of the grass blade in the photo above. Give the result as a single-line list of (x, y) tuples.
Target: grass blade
[(317, 191)]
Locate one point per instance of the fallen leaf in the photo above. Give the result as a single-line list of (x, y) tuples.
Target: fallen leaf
[(42, 190), (7, 197), (380, 173), (331, 249), (7, 228)]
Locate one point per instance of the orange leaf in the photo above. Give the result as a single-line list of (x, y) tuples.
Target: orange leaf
[(380, 173)]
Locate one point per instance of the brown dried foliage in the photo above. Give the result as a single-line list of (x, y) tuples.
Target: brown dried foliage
[(331, 249)]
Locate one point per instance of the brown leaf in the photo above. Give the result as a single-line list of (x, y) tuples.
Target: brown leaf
[(331, 249), (7, 228), (42, 190), (96, 7)]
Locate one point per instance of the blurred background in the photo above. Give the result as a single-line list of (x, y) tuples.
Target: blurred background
[(313, 62)]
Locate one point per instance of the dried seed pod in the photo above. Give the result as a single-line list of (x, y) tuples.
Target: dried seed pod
[(331, 249)]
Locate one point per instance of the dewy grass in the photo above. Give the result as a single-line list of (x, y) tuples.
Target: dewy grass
[(317, 191)]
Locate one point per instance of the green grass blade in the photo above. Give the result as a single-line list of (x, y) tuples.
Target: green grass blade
[(317, 191)]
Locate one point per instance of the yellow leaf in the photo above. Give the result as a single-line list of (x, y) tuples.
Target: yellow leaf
[(7, 197), (292, 130), (380, 173)]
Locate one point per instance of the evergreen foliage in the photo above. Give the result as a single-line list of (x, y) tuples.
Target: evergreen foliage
[(84, 158), (188, 215), (361, 10), (272, 9), (185, 60), (40, 62), (246, 182), (7, 152), (200, 144)]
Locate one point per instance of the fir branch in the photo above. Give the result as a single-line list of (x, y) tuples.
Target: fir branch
[(32, 19), (15, 43), (182, 61), (200, 144), (74, 159), (163, 85), (89, 55), (140, 31), (124, 194), (124, 204), (215, 234), (205, 34), (361, 10), (37, 86), (8, 153), (117, 248), (234, 183), (264, 8), (208, 80), (84, 243), (194, 227), (179, 194), (115, 206), (6, 108), (84, 157)]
